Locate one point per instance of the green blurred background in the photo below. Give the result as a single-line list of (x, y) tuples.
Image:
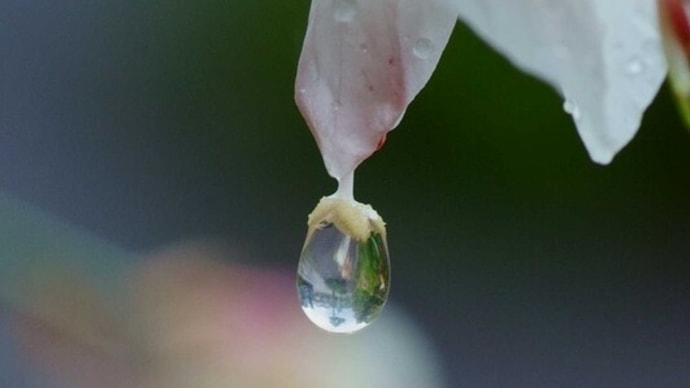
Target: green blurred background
[(150, 122)]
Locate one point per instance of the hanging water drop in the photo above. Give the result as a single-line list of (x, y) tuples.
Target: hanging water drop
[(343, 276)]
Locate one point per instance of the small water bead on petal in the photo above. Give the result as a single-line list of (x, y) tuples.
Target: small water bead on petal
[(572, 109), (345, 10), (423, 48), (343, 283), (634, 67)]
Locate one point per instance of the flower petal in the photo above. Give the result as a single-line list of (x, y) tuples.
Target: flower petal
[(674, 17), (604, 56), (362, 63)]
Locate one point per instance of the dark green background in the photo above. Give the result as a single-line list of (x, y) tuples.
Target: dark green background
[(150, 122)]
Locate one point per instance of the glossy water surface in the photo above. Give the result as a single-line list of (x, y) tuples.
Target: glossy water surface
[(342, 284)]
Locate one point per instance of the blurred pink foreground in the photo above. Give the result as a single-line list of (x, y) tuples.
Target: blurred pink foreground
[(188, 319)]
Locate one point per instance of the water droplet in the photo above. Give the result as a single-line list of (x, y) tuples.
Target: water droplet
[(423, 48), (572, 109), (345, 10), (634, 67), (342, 284)]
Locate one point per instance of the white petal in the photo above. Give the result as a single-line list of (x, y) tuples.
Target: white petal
[(362, 63), (604, 56)]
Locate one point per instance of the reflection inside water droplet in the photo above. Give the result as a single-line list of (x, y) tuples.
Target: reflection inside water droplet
[(423, 48), (345, 10), (342, 284)]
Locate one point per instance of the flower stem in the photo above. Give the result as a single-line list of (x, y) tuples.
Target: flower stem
[(346, 185)]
